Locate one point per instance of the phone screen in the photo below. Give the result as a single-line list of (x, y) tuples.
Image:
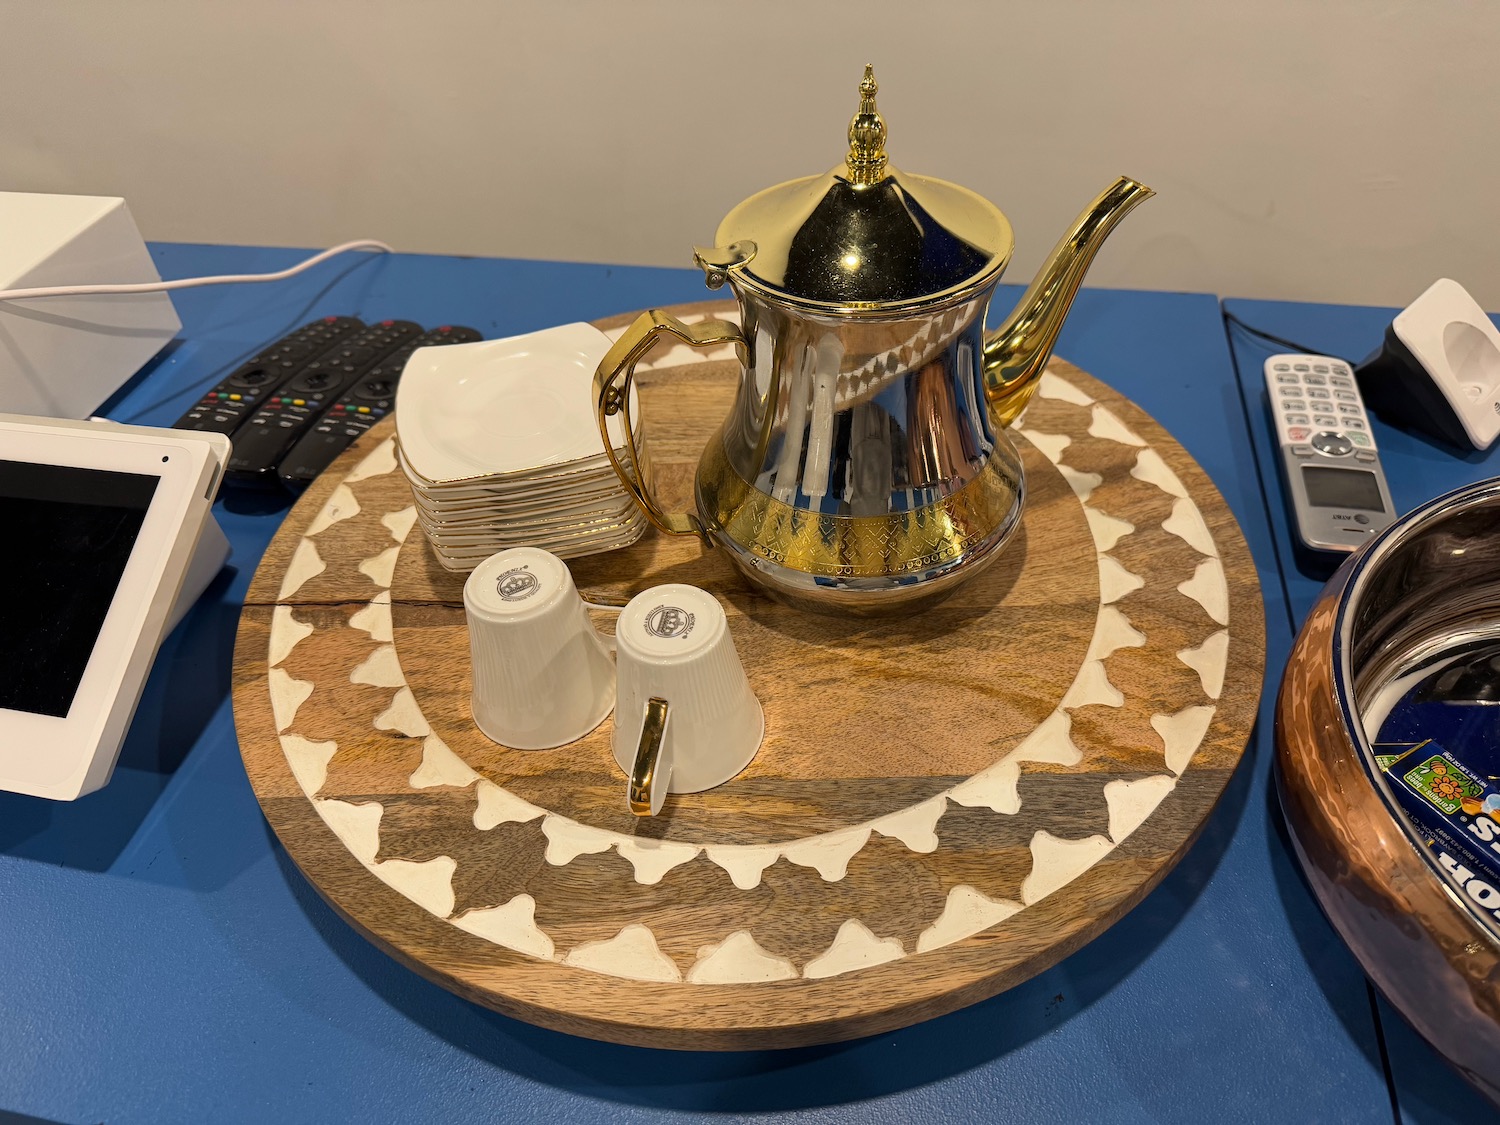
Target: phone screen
[(1342, 488)]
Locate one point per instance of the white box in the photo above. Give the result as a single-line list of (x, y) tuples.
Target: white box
[(62, 357)]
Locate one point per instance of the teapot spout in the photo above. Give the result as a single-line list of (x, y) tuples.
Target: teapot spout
[(1017, 351)]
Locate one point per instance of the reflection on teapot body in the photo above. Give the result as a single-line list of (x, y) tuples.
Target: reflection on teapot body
[(864, 466)]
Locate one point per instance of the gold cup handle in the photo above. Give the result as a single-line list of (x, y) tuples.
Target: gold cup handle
[(646, 772), (612, 396)]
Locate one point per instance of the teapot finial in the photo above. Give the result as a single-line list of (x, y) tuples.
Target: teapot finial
[(866, 159)]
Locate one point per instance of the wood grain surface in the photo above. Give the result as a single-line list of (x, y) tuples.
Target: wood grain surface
[(942, 806)]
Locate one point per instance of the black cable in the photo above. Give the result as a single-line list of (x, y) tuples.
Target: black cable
[(1281, 340)]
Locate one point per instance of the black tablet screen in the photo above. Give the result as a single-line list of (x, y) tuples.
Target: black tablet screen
[(65, 537)]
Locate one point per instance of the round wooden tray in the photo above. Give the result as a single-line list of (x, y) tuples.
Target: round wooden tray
[(943, 806)]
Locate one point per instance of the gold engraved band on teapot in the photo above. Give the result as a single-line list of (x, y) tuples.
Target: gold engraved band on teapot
[(612, 396), (643, 771), (835, 546)]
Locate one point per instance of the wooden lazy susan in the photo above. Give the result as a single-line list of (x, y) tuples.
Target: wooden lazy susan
[(943, 806)]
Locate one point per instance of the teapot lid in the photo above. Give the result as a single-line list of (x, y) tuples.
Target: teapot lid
[(864, 235)]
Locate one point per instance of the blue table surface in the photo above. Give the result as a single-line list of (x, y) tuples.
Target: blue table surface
[(168, 962), (1417, 468)]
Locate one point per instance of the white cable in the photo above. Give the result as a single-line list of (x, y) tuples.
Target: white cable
[(189, 282)]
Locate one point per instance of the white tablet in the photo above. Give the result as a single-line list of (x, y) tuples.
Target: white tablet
[(100, 523)]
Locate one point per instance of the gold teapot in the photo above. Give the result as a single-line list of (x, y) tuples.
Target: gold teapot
[(864, 467)]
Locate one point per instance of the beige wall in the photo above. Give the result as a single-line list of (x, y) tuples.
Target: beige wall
[(1341, 151)]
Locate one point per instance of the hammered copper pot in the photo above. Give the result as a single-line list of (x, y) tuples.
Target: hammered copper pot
[(1432, 579)]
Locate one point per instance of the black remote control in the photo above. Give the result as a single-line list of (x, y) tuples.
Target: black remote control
[(361, 406), (286, 414), (232, 400)]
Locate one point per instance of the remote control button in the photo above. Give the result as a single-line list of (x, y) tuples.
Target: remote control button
[(1302, 450), (1338, 382), (255, 377), (1326, 422), (1296, 420), (1287, 379), (1353, 424), (1294, 405), (1316, 393), (1290, 391), (1335, 445), (1321, 368), (1300, 366), (1363, 454), (1348, 408), (1360, 439), (1297, 433), (1282, 367), (1315, 381), (1346, 396)]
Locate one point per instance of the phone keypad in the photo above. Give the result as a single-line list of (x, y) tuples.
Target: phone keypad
[(1320, 412)]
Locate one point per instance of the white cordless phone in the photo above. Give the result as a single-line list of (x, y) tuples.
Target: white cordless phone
[(1329, 461)]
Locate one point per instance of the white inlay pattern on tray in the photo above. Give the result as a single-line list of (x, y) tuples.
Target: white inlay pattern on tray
[(737, 958)]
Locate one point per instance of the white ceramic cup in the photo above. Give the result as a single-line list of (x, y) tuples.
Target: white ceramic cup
[(685, 717), (542, 675)]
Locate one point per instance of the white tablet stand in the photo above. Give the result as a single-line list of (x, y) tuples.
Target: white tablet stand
[(110, 539)]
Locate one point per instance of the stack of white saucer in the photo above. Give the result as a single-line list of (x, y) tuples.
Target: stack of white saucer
[(500, 444)]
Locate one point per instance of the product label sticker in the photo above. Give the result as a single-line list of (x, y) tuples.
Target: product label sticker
[(1445, 783)]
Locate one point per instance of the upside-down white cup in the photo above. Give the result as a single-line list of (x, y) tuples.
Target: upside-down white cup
[(542, 675), (685, 717)]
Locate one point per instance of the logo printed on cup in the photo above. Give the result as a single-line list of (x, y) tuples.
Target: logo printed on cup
[(669, 621), (517, 585)]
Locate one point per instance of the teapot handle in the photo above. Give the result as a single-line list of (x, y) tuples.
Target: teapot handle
[(612, 396)]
